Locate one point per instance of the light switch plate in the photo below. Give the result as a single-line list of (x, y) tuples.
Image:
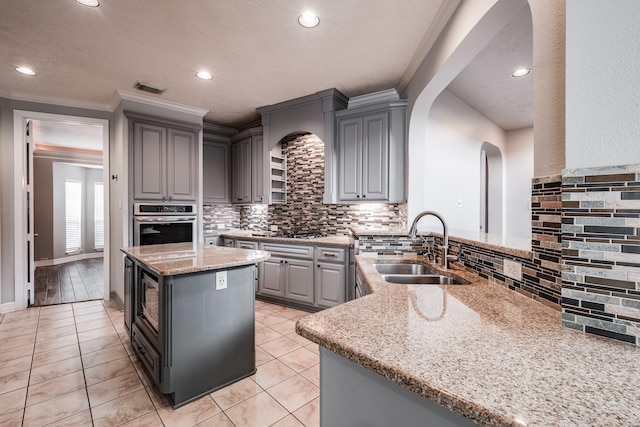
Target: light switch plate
[(512, 269), (274, 228), (221, 280)]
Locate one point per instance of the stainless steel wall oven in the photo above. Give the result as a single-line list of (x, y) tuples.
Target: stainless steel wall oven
[(155, 223)]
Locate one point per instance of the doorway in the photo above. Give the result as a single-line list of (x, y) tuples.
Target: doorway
[(490, 189), (68, 153)]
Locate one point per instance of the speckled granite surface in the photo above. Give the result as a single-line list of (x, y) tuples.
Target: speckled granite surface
[(335, 240), (482, 351), (183, 258)]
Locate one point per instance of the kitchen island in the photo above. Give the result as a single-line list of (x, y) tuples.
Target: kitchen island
[(190, 314), (481, 352)]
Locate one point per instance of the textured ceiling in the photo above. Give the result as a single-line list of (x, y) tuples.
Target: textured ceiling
[(255, 49), (486, 83)]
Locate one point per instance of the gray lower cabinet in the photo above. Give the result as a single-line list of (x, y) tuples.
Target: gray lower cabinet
[(289, 273), (331, 276), (164, 162), (313, 276)]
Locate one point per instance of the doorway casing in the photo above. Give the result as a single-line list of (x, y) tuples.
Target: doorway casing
[(20, 118)]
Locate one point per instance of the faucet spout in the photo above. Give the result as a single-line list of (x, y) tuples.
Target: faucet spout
[(445, 235)]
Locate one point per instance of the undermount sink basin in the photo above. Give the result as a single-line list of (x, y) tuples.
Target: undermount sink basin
[(421, 279), (408, 268)]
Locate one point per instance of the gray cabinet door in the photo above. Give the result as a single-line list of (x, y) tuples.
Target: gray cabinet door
[(241, 165), (181, 165), (149, 153), (299, 280), (271, 277), (257, 169), (375, 157), (330, 284), (349, 153), (215, 172)]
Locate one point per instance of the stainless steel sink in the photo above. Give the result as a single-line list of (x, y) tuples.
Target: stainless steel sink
[(421, 279), (408, 268)]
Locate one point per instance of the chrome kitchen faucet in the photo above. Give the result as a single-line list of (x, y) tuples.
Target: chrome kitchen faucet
[(445, 234)]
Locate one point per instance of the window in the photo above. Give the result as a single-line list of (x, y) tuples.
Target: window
[(98, 215), (73, 215)]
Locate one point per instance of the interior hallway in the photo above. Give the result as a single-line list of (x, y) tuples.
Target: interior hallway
[(69, 282), (73, 365)]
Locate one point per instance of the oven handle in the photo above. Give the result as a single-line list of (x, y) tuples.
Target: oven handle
[(165, 218)]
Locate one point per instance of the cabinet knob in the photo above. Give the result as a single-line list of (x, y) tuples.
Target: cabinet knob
[(364, 195)]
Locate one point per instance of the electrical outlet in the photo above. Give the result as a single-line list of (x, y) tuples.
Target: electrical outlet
[(274, 228), (221, 280), (512, 269)]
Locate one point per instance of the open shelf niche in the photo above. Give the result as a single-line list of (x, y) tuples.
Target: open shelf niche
[(278, 174)]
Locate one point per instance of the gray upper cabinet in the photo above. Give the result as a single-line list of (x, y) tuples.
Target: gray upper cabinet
[(247, 167), (371, 152), (216, 174), (241, 167), (164, 166)]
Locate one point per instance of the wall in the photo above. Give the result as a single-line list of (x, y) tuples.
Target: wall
[(87, 176), (600, 187), (519, 172), (451, 170), (8, 232), (603, 57)]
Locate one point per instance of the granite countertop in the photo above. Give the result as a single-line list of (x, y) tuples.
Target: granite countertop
[(482, 351), (334, 240), (183, 258)]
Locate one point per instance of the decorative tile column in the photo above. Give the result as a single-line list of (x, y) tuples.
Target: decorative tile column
[(601, 251)]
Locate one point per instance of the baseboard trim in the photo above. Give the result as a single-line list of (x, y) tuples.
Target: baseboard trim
[(58, 261)]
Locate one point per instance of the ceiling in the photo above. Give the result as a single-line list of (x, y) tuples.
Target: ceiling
[(257, 52), (486, 83)]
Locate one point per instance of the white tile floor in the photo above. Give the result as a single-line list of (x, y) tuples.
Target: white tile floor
[(73, 365)]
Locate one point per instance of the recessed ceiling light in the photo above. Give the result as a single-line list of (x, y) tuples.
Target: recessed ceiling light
[(308, 19), (27, 71), (204, 75), (521, 72), (89, 3)]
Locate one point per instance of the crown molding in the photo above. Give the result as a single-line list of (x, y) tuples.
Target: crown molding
[(122, 95), (63, 102)]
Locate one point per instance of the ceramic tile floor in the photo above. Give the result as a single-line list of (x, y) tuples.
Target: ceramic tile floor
[(72, 365)]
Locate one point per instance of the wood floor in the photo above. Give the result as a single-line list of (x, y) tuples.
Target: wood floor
[(70, 282)]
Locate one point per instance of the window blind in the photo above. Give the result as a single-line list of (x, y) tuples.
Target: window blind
[(98, 215), (73, 215)]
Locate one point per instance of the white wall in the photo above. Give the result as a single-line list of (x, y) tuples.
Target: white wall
[(519, 173), (449, 170), (602, 88)]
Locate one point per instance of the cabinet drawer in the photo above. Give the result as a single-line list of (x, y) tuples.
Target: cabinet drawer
[(296, 251), (246, 244), (147, 354), (331, 254), (229, 243)]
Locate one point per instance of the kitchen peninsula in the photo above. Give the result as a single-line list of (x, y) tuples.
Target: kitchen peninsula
[(190, 314), (461, 354)]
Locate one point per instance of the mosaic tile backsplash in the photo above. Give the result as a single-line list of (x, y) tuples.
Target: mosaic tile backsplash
[(304, 211), (601, 251)]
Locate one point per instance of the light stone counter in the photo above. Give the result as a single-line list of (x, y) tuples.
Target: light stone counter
[(483, 352), (183, 258), (334, 240)]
